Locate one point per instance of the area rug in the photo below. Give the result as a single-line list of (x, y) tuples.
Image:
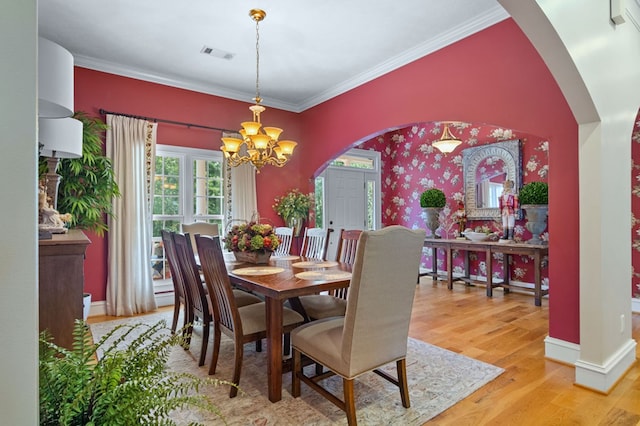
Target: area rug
[(437, 378)]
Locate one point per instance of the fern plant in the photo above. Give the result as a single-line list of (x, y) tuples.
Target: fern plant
[(110, 383)]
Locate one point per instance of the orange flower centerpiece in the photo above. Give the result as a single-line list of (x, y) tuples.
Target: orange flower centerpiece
[(251, 242)]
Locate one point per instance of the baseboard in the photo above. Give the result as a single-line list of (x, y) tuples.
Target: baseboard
[(635, 305), (100, 308), (561, 350), (602, 378)]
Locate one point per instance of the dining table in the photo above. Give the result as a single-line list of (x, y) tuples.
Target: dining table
[(285, 278)]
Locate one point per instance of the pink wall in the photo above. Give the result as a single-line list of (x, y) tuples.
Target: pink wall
[(635, 209), (410, 165), (493, 77)]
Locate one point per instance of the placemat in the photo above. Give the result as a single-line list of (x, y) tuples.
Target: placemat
[(316, 264), (285, 257), (258, 270), (324, 275)]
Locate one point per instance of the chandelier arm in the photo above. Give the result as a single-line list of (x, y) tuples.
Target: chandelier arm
[(257, 62)]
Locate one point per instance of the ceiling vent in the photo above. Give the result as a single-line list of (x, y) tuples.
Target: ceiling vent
[(216, 53)]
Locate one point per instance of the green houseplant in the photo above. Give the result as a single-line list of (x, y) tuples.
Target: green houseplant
[(534, 200), (534, 193), (432, 201), (294, 208), (110, 383), (87, 185)]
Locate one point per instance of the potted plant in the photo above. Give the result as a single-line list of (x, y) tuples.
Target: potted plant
[(433, 201), (111, 383), (293, 208), (251, 242), (534, 200), (87, 185)]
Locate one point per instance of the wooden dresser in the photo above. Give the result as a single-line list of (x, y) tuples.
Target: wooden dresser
[(61, 284)]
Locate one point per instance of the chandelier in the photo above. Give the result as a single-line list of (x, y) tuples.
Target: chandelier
[(259, 145), (447, 143)]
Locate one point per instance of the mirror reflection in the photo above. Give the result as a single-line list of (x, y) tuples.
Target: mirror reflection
[(486, 167)]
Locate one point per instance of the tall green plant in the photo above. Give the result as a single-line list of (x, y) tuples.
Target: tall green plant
[(87, 185), (110, 383)]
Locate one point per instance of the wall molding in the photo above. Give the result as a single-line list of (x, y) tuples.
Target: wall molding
[(561, 350), (603, 377)]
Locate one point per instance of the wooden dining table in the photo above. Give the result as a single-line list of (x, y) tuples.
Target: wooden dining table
[(282, 279)]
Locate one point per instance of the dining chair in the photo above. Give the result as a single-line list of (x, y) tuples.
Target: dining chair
[(318, 306), (375, 328), (315, 243), (179, 289), (286, 236), (202, 228), (243, 324)]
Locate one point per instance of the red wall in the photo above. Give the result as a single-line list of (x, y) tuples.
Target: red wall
[(494, 77)]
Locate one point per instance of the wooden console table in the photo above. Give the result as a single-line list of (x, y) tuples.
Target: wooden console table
[(489, 248), (61, 284)]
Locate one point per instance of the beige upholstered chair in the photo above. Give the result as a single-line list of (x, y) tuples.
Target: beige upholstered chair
[(286, 236), (202, 228), (242, 324), (315, 243), (375, 328), (318, 306)]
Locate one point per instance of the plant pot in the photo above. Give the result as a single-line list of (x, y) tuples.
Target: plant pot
[(433, 219), (536, 215), (296, 224), (256, 257), (86, 305)]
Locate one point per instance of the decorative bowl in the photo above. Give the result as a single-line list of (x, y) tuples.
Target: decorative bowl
[(477, 236)]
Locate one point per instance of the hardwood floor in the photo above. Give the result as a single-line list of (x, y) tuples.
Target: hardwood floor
[(509, 331)]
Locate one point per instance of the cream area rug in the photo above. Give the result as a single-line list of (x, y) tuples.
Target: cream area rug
[(437, 378)]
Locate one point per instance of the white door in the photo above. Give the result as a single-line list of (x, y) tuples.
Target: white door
[(345, 198)]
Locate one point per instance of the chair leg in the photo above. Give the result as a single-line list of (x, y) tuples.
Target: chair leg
[(319, 369), (176, 314), (349, 402), (259, 345), (237, 368), (401, 365), (295, 369), (216, 349), (205, 342), (286, 347)]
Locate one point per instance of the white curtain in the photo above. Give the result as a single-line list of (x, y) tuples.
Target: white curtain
[(131, 147), (240, 194)]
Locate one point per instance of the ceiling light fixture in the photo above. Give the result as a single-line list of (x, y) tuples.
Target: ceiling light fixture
[(447, 143), (261, 145)]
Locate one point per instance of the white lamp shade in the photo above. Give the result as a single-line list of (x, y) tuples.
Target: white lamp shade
[(61, 137), (55, 80)]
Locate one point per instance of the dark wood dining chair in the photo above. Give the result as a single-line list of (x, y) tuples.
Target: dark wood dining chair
[(242, 324), (315, 243), (318, 306), (375, 328), (179, 289)]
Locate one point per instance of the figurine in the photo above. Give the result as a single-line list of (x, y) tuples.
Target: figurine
[(508, 203), (49, 218)]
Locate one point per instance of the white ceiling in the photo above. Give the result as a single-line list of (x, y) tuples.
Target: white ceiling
[(310, 51)]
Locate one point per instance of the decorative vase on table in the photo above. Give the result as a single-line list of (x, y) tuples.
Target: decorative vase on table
[(257, 257), (296, 223), (433, 220), (536, 215)]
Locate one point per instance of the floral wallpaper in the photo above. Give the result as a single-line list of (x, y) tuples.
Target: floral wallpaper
[(410, 165), (635, 210)]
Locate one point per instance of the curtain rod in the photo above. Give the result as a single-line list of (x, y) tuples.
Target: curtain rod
[(160, 120)]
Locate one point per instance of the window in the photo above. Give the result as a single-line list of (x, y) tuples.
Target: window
[(188, 187)]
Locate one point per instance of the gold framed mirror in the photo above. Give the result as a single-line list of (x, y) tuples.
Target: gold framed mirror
[(485, 168)]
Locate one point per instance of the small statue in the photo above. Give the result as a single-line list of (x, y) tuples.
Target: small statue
[(49, 218), (508, 203)]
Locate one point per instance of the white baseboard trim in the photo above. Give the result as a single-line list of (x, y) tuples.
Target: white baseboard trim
[(561, 350), (603, 377), (100, 308), (635, 305)]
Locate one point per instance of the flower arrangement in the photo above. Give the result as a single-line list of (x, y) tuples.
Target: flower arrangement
[(251, 237), (293, 204)]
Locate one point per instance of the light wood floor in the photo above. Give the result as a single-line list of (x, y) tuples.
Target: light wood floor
[(509, 331)]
